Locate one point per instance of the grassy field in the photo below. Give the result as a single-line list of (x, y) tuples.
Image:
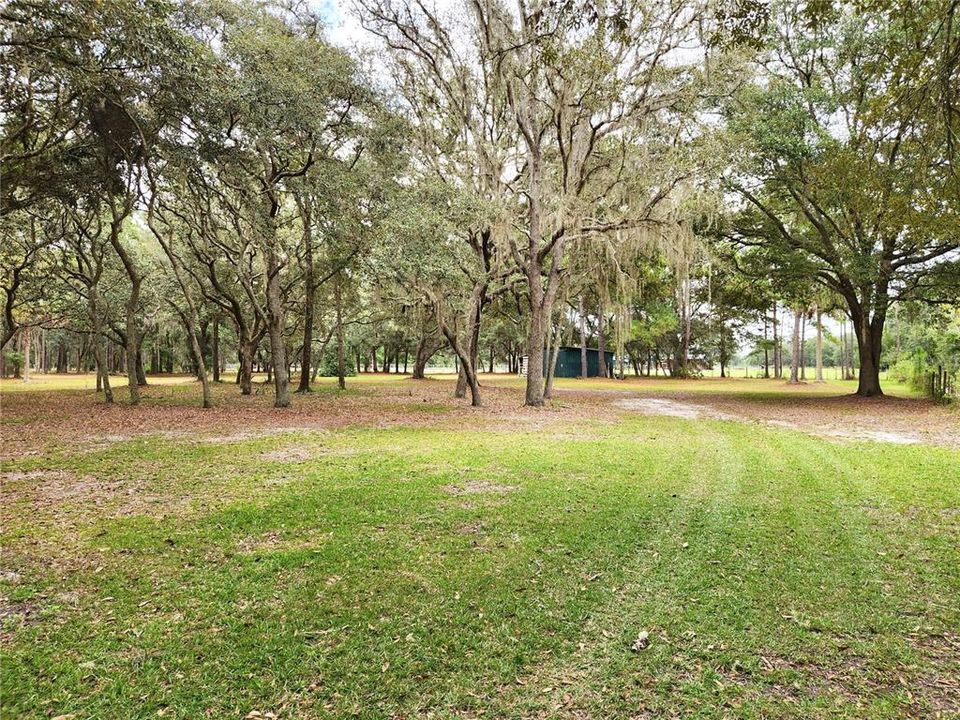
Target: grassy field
[(39, 382), (711, 382), (422, 559)]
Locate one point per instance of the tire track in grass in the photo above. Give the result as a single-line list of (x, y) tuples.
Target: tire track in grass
[(814, 554), (897, 501), (599, 678), (819, 576)]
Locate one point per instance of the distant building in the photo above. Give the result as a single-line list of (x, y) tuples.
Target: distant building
[(568, 362)]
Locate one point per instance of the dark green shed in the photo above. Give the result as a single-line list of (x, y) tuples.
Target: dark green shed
[(568, 362)]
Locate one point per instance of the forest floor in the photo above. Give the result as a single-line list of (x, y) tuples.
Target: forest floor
[(642, 549)]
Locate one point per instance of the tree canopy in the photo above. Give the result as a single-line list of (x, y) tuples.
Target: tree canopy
[(188, 185)]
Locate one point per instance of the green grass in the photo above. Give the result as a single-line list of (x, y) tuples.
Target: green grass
[(730, 386), (710, 383), (779, 576), (84, 381)]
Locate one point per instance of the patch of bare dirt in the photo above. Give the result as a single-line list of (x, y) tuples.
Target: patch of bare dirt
[(54, 486), (15, 614), (471, 528), (247, 435), (17, 476), (275, 541), (267, 541), (288, 454), (846, 418), (847, 679), (888, 419), (300, 454), (672, 408), (19, 610), (478, 487), (79, 422), (56, 492), (928, 691), (938, 687), (898, 438)]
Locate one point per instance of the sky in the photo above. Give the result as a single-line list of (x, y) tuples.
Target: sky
[(343, 28)]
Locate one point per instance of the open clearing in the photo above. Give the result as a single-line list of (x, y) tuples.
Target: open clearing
[(390, 552)]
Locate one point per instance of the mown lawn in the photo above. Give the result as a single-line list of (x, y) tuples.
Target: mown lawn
[(423, 572)]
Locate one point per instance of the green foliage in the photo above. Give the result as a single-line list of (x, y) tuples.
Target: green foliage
[(924, 340), (328, 364), (14, 360)]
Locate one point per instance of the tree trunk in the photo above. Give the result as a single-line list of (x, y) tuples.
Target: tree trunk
[(582, 312), (93, 302), (420, 359), (601, 340), (341, 366), (132, 343), (539, 297), (193, 337), (27, 337), (97, 341), (198, 358), (246, 351), (425, 351), (215, 360), (803, 345), (843, 350), (474, 316), (869, 344), (777, 349), (275, 322), (190, 316), (535, 335), (461, 354), (306, 213), (552, 366), (683, 362), (203, 339), (819, 377), (103, 373), (766, 350), (141, 375), (795, 355)]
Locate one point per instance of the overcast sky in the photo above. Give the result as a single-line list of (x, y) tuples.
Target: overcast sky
[(342, 26)]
